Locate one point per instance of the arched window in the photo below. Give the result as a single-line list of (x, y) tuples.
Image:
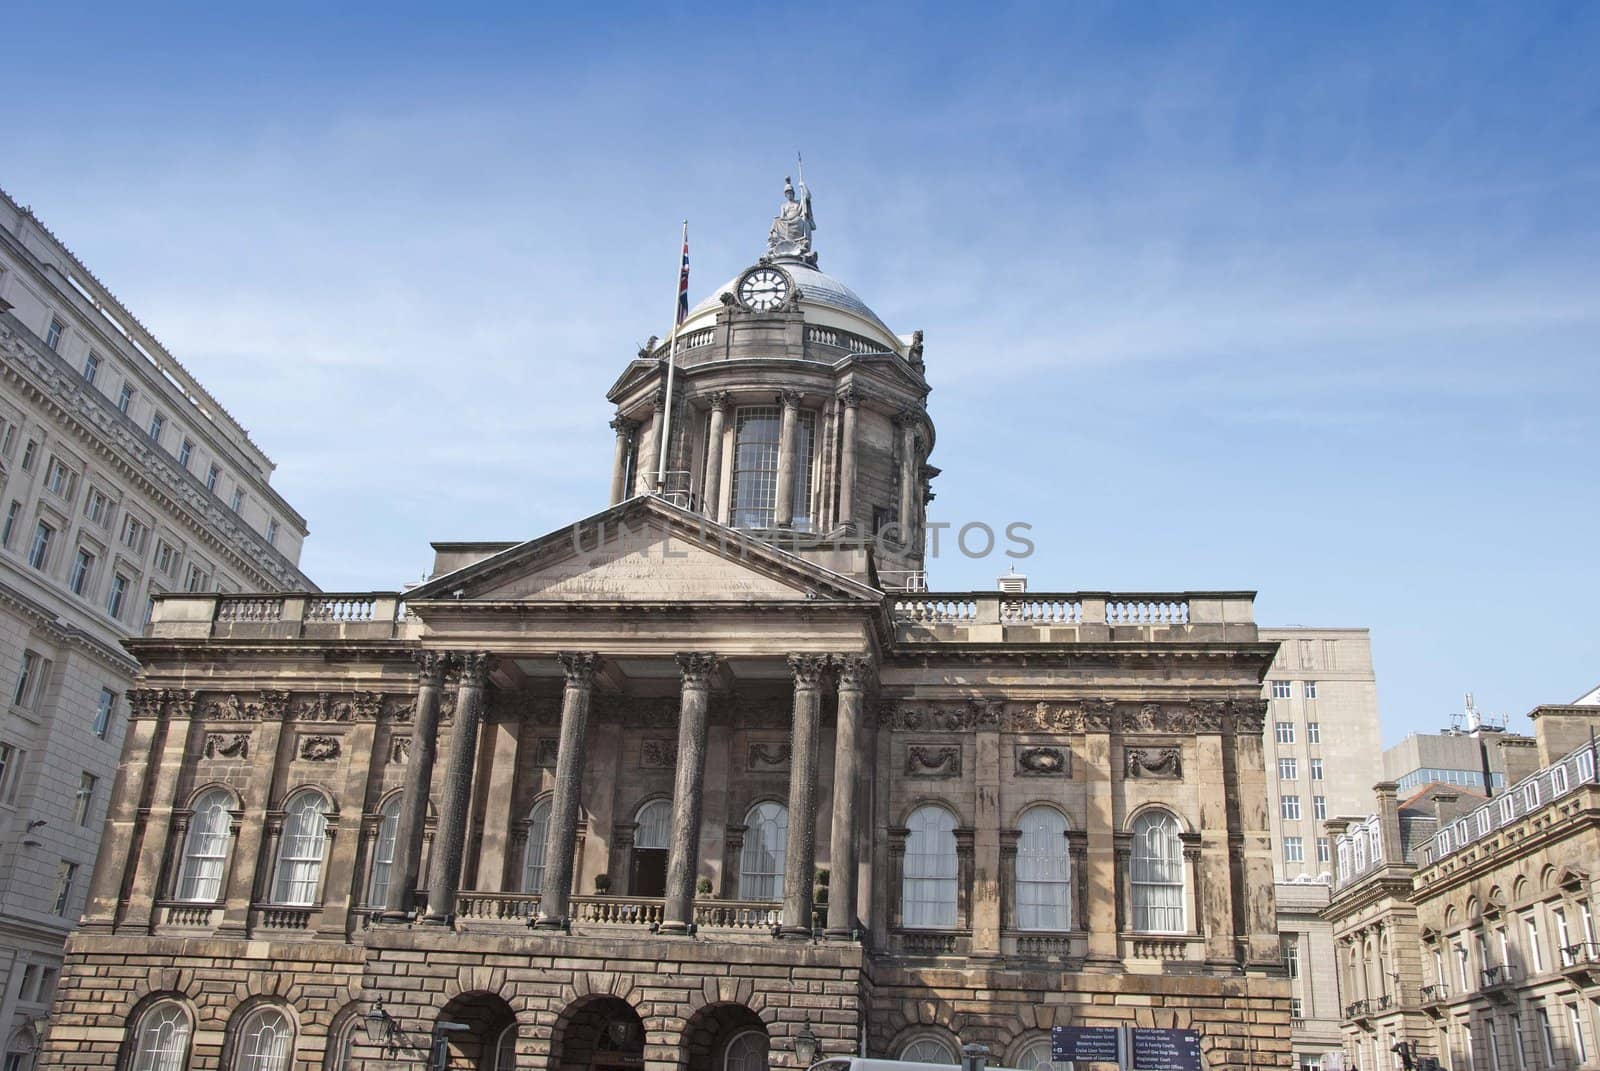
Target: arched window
[(650, 848), (264, 1041), (1044, 871), (300, 850), (1035, 1056), (929, 1049), (747, 1051), (383, 852), (766, 837), (341, 1042), (1157, 874), (161, 1038), (533, 851), (928, 892), (505, 1049), (205, 848)]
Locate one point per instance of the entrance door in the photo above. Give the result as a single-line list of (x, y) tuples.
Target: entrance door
[(649, 877)]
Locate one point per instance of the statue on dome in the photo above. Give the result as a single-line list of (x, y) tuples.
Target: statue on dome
[(790, 235)]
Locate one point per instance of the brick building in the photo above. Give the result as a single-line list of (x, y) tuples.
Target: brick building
[(703, 774)]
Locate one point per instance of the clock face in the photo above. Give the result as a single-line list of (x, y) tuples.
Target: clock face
[(763, 289)]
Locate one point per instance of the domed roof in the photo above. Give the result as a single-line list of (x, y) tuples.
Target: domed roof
[(815, 287)]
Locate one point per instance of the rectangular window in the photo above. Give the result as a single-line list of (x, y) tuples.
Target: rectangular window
[(1563, 937), (1484, 821), (1316, 769), (754, 491), (1580, 1051), (1314, 732), (1288, 769), (1324, 850), (8, 437), (1493, 1040), (272, 532), (1463, 969), (133, 533), (211, 478), (13, 511), (84, 806), (1548, 1037), (82, 572), (1294, 850), (1530, 796), (1558, 780), (124, 399), (1508, 808), (185, 452), (1517, 1045), (29, 452), (97, 507), (27, 679), (1282, 689), (91, 367), (103, 711), (157, 424), (1530, 933), (1284, 731), (1311, 689), (1289, 807), (118, 597), (52, 334), (66, 874), (1296, 1009), (1586, 765), (166, 557), (11, 761), (1319, 807), (39, 553), (197, 579), (61, 480), (237, 503), (1291, 954)]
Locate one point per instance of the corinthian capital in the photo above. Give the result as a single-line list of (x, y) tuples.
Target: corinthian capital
[(790, 399), (697, 666), (623, 426), (809, 669), (717, 399), (579, 665), (850, 397), (475, 668), (431, 666), (855, 671)]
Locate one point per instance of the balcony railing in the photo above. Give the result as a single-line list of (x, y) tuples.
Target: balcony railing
[(1435, 994), (989, 616), (1498, 974), (1358, 1009), (489, 908), (1581, 962)]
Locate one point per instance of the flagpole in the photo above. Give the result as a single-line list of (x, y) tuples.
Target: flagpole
[(672, 364)]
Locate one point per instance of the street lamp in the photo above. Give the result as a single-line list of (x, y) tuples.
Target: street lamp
[(382, 1029), (806, 1045)]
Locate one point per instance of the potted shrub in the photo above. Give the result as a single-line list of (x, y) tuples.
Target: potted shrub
[(602, 884), (703, 886)]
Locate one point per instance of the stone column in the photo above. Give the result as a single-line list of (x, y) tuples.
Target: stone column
[(445, 879), (649, 450), (140, 751), (419, 781), (909, 466), (687, 792), (177, 711), (783, 508), (580, 667), (712, 490), (240, 890), (850, 401), (800, 854), (855, 672), (1101, 910), (625, 429)]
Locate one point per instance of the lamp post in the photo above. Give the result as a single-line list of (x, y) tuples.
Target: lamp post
[(806, 1045)]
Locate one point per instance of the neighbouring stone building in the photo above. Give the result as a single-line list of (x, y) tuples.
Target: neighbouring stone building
[(120, 478), (697, 778), (1466, 924), (1322, 744)]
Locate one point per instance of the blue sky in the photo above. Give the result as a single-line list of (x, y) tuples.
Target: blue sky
[(1215, 296)]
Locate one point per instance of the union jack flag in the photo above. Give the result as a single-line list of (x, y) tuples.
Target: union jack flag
[(683, 280)]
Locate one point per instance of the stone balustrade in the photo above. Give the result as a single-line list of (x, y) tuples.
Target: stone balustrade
[(1072, 617), (305, 615), (1163, 947), (476, 908)]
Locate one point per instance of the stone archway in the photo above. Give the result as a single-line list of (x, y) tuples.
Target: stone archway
[(598, 1033), (718, 1031), (489, 1043)]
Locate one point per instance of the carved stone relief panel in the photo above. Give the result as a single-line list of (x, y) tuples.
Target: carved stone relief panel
[(658, 754), (1154, 763), (933, 760), (768, 755), (1043, 761)]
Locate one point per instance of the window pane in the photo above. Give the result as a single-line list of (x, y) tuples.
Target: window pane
[(538, 842), (928, 892), (1157, 874), (162, 1041), (1044, 872), (766, 838), (300, 851), (755, 466)]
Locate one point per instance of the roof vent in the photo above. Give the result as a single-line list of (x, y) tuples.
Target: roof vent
[(1013, 583)]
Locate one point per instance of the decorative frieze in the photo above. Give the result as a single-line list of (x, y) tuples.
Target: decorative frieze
[(658, 754), (227, 746), (1154, 763), (319, 748), (1044, 762), (926, 760), (1075, 716)]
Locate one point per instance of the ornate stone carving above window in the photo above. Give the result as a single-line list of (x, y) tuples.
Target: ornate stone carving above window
[(319, 748), (1044, 762), (545, 751), (923, 760), (227, 745), (768, 756), (400, 750), (658, 754), (1154, 763)]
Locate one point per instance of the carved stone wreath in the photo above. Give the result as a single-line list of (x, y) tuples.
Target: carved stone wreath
[(764, 756), (933, 761), (1043, 762), (227, 745), (319, 748), (1154, 763)]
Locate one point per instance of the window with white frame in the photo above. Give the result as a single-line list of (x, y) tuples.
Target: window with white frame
[(1580, 1050), (264, 1041), (82, 571), (382, 871), (1519, 1046), (537, 844), (97, 506), (1463, 968), (1530, 795), (32, 673), (103, 711), (747, 1051), (1508, 808), (11, 763), (1282, 689), (83, 804), (134, 532), (300, 850), (1289, 807), (766, 839), (1316, 769), (1314, 732), (1157, 876), (205, 848), (39, 551), (158, 423), (1294, 849), (185, 451), (211, 478), (60, 480), (237, 502), (1547, 1036), (1324, 850), (1037, 1056), (1484, 821), (1586, 765), (52, 334), (161, 1038), (1310, 689), (66, 878), (1319, 807), (197, 578), (928, 889), (928, 1049), (1044, 871), (1563, 936), (91, 367), (1284, 732), (1530, 934), (125, 399), (1288, 769), (1558, 779), (117, 597)]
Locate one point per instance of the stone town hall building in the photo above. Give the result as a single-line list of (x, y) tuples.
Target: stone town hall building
[(699, 775)]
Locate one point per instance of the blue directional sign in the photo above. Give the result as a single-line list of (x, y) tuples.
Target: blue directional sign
[(1084, 1044), (1165, 1050)]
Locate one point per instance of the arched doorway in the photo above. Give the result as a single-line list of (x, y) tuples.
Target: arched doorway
[(726, 1037), (598, 1034), (490, 1041)]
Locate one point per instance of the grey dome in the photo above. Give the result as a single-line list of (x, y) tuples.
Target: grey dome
[(815, 287)]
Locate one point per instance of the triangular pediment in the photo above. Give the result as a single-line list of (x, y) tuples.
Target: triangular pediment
[(644, 551)]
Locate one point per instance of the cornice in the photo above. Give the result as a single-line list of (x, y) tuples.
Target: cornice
[(1583, 819), (928, 653), (118, 441), (71, 635)]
